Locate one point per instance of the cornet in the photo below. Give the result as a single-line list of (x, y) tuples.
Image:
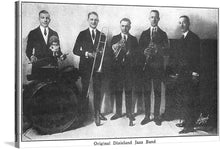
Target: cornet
[(117, 47)]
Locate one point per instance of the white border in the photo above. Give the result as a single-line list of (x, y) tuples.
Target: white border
[(7, 74)]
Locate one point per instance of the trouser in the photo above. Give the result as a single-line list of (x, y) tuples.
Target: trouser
[(123, 81), (138, 91), (128, 101), (97, 85), (188, 99), (147, 96), (84, 102)]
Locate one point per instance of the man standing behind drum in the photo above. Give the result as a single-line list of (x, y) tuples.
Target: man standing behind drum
[(153, 43), (85, 47), (43, 45), (124, 46)]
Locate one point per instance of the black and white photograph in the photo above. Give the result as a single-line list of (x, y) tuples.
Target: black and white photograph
[(115, 74)]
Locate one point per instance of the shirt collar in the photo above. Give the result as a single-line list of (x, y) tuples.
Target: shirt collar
[(185, 34), (90, 29), (42, 29), (126, 35), (156, 27)]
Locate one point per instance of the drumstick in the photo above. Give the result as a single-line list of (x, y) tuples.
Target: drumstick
[(33, 52)]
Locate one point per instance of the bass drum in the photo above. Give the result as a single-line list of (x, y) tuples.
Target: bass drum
[(53, 106)]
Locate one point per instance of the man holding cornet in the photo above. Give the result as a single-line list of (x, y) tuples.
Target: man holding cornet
[(124, 46), (86, 47), (153, 44)]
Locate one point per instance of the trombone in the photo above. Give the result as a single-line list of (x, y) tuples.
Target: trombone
[(100, 48)]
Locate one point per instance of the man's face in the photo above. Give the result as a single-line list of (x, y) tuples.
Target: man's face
[(44, 19), (154, 19), (125, 27), (93, 21), (183, 24)]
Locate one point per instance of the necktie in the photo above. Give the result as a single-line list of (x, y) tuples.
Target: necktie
[(45, 32), (124, 37), (153, 32), (183, 37), (93, 35), (125, 42)]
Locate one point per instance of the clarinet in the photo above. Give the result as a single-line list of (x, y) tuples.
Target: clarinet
[(150, 48)]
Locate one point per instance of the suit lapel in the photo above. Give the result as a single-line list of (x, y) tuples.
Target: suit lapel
[(49, 35), (148, 33), (148, 38), (96, 38), (128, 42), (41, 36), (88, 36), (188, 35), (119, 37)]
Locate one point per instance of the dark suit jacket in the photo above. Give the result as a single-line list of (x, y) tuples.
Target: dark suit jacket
[(36, 40), (188, 54), (131, 46), (155, 66), (84, 44)]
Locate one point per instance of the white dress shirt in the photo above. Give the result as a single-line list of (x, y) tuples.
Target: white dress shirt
[(124, 35), (185, 34), (90, 30), (151, 30), (93, 40), (42, 32)]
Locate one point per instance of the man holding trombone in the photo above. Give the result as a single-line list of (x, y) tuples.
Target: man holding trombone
[(153, 44), (124, 46), (86, 47)]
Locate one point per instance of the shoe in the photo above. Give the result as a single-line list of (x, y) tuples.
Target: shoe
[(97, 120), (186, 130), (145, 121), (158, 121), (131, 117), (131, 122), (102, 117), (182, 124), (116, 116)]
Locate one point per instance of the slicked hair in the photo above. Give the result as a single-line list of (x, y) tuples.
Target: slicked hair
[(93, 12), (127, 20), (44, 12), (186, 17), (156, 11)]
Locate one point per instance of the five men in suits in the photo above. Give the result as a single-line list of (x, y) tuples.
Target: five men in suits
[(153, 44), (85, 47), (40, 45), (149, 55), (124, 46), (188, 70)]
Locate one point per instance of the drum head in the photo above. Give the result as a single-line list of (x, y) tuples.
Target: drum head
[(53, 108)]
